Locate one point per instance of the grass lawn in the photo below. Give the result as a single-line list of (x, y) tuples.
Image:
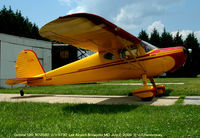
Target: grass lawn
[(23, 119), (43, 119), (191, 87)]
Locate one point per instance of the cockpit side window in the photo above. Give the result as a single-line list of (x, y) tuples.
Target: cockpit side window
[(124, 53), (109, 56)]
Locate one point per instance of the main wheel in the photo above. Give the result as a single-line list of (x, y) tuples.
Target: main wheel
[(21, 92), (160, 90), (147, 99), (130, 94)]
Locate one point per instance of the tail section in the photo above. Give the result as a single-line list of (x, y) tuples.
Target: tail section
[(27, 67), (28, 64)]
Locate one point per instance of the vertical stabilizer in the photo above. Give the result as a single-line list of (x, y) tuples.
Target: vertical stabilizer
[(28, 64)]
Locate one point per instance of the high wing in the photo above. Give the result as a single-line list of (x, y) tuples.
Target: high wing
[(88, 31)]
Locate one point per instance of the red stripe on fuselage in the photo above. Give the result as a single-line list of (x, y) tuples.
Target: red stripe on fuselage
[(165, 49)]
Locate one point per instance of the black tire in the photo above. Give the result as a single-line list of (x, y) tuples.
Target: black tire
[(130, 94), (147, 99), (159, 95), (21, 92)]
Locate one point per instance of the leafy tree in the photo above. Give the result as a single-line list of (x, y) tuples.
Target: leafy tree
[(155, 38), (143, 36), (166, 39), (15, 24)]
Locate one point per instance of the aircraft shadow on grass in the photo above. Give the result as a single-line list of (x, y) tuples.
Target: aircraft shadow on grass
[(110, 105), (168, 91), (97, 108)]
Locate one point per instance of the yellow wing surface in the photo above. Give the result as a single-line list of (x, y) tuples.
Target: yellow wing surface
[(88, 31)]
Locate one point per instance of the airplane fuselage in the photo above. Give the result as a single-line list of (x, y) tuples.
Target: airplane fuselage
[(97, 68)]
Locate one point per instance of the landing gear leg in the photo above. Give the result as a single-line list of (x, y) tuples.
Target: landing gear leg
[(154, 84), (146, 93), (144, 79)]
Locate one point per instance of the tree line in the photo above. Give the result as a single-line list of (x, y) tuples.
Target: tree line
[(15, 24), (191, 67)]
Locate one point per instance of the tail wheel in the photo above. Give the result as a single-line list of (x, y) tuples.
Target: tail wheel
[(22, 92), (130, 94)]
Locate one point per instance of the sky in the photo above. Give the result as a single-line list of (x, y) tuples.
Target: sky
[(131, 15)]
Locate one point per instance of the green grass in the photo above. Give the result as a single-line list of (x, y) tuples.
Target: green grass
[(180, 100), (191, 87), (65, 119), (43, 119)]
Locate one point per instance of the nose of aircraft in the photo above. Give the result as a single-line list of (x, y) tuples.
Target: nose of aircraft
[(179, 56)]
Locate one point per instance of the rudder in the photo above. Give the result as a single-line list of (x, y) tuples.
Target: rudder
[(28, 64)]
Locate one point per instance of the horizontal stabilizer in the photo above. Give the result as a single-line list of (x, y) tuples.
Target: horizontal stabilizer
[(15, 81)]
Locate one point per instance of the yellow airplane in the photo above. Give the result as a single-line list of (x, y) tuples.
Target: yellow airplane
[(119, 56)]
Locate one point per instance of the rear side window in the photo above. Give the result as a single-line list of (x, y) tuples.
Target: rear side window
[(109, 56)]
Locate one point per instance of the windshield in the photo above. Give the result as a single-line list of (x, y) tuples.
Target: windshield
[(147, 47)]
